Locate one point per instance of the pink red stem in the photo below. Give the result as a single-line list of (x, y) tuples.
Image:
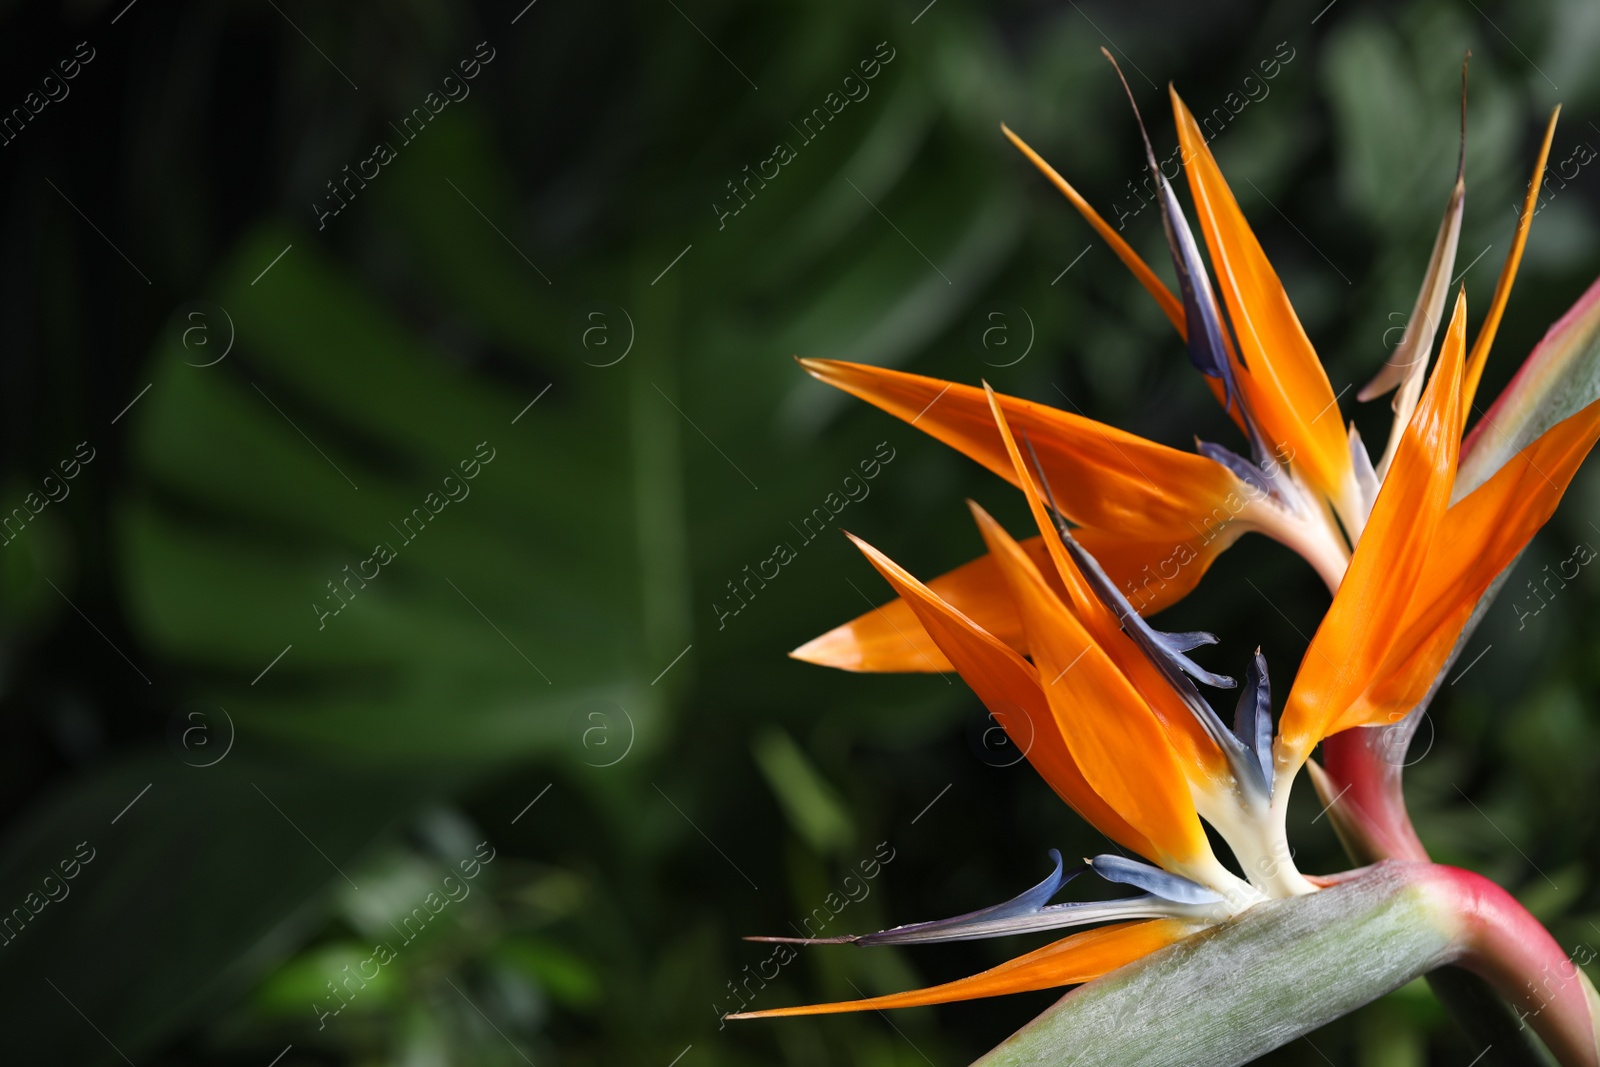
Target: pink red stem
[(1501, 942), (1511, 950), (1365, 768)]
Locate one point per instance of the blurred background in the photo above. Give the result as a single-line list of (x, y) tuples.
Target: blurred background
[(403, 389)]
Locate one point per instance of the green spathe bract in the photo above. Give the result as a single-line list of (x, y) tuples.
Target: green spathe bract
[(1232, 993), (1560, 377)]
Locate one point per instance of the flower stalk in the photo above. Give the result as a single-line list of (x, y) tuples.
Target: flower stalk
[(1286, 967), (1050, 633)]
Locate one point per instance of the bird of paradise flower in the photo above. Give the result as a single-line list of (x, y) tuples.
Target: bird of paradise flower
[(1045, 633)]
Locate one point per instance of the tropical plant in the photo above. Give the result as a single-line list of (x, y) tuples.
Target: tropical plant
[(1107, 707)]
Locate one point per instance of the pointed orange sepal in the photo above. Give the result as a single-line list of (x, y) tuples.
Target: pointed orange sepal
[(1181, 504), (1156, 518), (1114, 738), (1479, 537), (1170, 305), (1009, 687), (1367, 612), (891, 639), (1197, 752), (1280, 376), (1079, 958), (1152, 574), (1508, 274), (1105, 477)]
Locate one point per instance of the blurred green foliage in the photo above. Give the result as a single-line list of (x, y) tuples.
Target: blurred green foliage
[(545, 667)]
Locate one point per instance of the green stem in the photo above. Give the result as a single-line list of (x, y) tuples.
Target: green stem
[(1243, 988), (1286, 967)]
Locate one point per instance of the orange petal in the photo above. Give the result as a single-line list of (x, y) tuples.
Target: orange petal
[(1369, 608), (1104, 478), (1152, 575), (1540, 391), (1171, 306), (1009, 688), (1081, 957), (890, 638), (1113, 737), (1508, 273), (1156, 574), (1479, 537), (1283, 383), (1194, 749)]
